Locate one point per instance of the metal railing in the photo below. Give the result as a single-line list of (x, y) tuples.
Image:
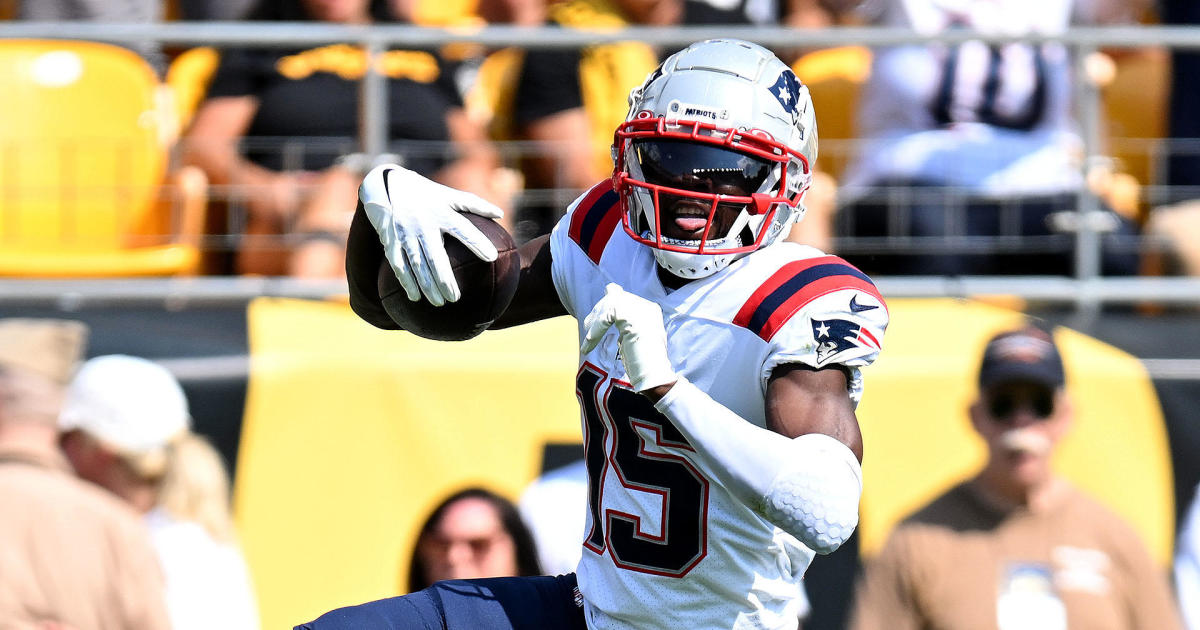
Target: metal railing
[(1085, 291)]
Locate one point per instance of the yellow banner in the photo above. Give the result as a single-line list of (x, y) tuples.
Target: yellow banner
[(351, 435), (918, 439)]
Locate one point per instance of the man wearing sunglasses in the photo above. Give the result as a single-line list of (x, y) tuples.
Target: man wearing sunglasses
[(1017, 546)]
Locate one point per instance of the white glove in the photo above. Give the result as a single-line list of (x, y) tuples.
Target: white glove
[(643, 338), (411, 213)]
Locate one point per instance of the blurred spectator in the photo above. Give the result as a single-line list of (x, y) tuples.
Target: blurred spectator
[(1183, 164), (125, 424), (555, 508), (126, 12), (568, 102), (1177, 227), (968, 142), (213, 9), (473, 533), (1187, 565), (73, 556), (279, 129), (1017, 546), (1177, 224), (466, 12), (795, 13)]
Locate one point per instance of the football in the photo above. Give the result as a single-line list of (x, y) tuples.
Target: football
[(486, 288)]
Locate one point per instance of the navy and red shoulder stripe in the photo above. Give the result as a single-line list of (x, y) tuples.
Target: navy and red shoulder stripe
[(796, 284), (595, 219)]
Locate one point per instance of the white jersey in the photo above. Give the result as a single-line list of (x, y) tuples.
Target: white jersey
[(666, 545), (208, 582), (995, 120)]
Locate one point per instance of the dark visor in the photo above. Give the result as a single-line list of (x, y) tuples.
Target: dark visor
[(700, 167)]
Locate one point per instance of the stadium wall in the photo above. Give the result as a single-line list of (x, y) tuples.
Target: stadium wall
[(342, 436)]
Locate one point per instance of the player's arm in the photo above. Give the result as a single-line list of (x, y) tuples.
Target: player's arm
[(536, 298), (364, 255), (402, 218), (802, 399), (803, 474)]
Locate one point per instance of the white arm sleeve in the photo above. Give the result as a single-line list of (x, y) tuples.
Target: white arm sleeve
[(807, 486)]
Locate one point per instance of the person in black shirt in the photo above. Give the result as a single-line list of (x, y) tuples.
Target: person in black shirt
[(279, 128)]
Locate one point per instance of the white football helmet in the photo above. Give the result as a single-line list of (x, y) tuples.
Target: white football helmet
[(714, 156)]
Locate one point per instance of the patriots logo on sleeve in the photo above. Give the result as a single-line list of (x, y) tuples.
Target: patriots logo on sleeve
[(835, 336)]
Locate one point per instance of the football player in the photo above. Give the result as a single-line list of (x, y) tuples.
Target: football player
[(719, 366)]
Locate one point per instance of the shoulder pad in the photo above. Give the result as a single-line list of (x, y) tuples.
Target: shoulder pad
[(796, 284), (594, 219)]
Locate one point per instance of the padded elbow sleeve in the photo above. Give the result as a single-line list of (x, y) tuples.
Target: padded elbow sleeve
[(815, 495), (808, 486)]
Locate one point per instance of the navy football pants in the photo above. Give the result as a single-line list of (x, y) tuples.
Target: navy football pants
[(510, 603)]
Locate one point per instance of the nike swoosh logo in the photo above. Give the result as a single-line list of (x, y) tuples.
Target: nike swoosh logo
[(388, 189), (855, 307)]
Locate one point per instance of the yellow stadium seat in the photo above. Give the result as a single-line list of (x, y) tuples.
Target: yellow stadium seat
[(834, 77), (188, 77), (85, 188)]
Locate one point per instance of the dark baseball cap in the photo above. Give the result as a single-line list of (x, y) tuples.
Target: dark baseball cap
[(1026, 355)]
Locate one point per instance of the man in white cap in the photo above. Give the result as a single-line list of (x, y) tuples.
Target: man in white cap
[(74, 556), (120, 417), (126, 427)]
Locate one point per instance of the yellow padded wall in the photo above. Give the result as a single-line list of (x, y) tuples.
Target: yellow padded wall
[(353, 434), (919, 440)]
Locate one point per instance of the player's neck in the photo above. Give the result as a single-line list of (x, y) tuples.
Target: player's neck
[(669, 280)]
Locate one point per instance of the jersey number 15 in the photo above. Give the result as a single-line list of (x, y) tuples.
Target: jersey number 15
[(634, 423)]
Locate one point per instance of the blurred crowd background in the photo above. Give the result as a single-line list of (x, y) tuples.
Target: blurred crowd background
[(241, 157), (177, 179)]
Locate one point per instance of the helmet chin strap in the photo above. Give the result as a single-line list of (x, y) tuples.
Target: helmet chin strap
[(696, 266), (693, 266)]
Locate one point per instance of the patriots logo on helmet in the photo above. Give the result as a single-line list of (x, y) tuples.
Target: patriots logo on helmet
[(835, 336), (786, 90), (654, 75)]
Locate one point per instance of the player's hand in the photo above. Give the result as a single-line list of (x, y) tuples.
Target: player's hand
[(643, 338), (411, 213)]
